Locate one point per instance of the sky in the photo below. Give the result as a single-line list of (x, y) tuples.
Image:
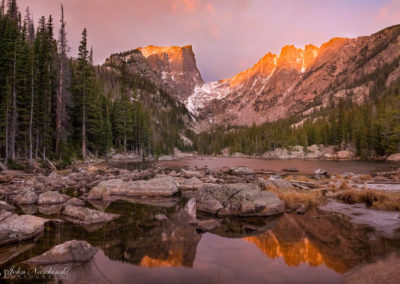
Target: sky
[(227, 36)]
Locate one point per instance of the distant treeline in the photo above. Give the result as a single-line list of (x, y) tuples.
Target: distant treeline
[(56, 107), (371, 129)]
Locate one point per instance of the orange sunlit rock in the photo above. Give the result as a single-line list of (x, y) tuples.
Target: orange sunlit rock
[(174, 259)]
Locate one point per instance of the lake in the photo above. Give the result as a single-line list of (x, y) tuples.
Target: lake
[(303, 166), (285, 249)]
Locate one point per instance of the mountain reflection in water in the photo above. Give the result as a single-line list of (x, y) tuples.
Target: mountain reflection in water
[(242, 250)]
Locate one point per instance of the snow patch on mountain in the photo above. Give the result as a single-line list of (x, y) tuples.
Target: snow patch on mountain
[(202, 94)]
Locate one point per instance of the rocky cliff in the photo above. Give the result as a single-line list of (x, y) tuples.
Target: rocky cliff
[(170, 68), (297, 81), (301, 80)]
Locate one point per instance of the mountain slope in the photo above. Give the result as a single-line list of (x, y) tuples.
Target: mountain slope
[(295, 82), (300, 80)]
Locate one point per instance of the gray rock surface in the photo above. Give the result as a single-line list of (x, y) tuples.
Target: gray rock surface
[(15, 228), (157, 187), (51, 197), (237, 199), (86, 216), (69, 252), (26, 197)]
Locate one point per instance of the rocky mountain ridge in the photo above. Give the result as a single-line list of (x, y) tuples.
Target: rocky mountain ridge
[(297, 81)]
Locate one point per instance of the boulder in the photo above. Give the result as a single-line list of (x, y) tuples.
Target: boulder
[(51, 197), (313, 152), (52, 209), (282, 183), (86, 216), (75, 202), (69, 252), (16, 228), (225, 152), (242, 170), (104, 189), (319, 173), (394, 158), (189, 184), (237, 200), (54, 180), (189, 174), (157, 187), (278, 153), (5, 206), (345, 155), (26, 197)]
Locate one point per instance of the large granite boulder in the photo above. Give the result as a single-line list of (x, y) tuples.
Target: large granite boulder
[(157, 187), (69, 252), (394, 157), (345, 155), (237, 199), (15, 228), (26, 197), (51, 197), (86, 216), (189, 184)]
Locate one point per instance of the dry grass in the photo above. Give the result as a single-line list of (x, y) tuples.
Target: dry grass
[(344, 185), (294, 199), (299, 178), (375, 199)]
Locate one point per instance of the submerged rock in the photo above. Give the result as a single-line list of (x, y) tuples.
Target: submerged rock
[(161, 217), (69, 252), (26, 197), (208, 225), (191, 208), (238, 199), (15, 228), (86, 216), (51, 197)]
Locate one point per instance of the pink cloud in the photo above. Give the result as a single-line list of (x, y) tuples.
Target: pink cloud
[(389, 12), (210, 8)]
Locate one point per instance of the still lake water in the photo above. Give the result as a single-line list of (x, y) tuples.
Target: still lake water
[(318, 247), (303, 166)]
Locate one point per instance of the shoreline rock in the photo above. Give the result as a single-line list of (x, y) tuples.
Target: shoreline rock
[(238, 199), (69, 252), (16, 228)]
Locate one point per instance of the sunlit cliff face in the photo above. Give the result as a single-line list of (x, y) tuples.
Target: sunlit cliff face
[(290, 58)]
